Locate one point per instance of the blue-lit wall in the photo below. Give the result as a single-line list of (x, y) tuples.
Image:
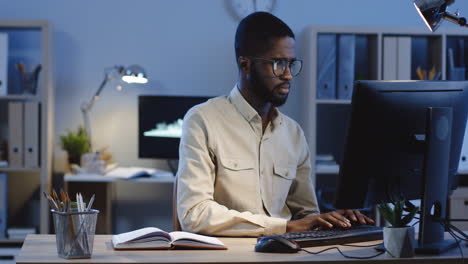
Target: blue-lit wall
[(185, 46)]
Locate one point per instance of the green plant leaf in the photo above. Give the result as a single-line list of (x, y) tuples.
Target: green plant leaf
[(407, 218), (387, 213), (398, 213), (75, 143)]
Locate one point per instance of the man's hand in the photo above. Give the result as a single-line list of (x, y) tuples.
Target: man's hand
[(339, 218), (355, 216)]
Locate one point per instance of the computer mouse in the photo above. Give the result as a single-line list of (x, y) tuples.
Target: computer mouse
[(276, 244)]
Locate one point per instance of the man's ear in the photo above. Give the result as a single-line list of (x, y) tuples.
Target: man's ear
[(244, 64)]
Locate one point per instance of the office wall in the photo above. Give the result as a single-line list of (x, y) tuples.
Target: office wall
[(185, 46)]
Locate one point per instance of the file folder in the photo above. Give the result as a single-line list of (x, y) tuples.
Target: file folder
[(346, 60), (3, 64), (404, 58), (397, 58), (15, 134), (326, 66), (31, 135), (390, 50)]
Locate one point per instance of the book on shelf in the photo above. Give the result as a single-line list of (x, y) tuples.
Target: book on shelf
[(155, 238), (3, 64)]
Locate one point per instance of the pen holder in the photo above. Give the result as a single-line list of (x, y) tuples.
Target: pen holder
[(28, 82), (74, 233)]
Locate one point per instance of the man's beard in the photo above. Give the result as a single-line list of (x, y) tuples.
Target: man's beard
[(260, 89)]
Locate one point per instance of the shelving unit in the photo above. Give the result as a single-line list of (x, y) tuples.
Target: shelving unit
[(29, 42), (325, 120)]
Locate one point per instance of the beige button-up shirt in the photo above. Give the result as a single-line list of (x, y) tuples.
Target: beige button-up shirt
[(235, 180)]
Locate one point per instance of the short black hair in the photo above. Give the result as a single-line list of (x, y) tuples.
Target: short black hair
[(256, 31)]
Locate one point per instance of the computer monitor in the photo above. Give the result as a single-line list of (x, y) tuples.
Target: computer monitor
[(160, 124), (404, 141)]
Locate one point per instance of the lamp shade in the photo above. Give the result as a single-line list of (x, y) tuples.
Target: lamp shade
[(134, 74), (431, 11)]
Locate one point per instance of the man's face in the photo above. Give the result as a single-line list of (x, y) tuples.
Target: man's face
[(263, 82)]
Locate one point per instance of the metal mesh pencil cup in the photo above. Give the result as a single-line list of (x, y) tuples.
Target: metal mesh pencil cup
[(74, 233)]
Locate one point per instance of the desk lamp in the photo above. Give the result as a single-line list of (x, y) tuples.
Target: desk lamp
[(130, 74), (433, 11)]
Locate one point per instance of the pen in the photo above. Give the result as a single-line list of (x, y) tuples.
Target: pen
[(90, 203)]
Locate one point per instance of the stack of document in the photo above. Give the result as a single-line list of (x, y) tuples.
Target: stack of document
[(326, 164), (20, 233)]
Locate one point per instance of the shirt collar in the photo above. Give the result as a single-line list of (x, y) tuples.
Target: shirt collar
[(247, 111)]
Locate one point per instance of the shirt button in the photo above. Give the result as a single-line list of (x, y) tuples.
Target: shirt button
[(235, 165)]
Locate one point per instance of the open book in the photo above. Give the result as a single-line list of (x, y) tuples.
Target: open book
[(133, 172), (155, 238)]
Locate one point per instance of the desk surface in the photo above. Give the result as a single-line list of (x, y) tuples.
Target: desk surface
[(42, 249)]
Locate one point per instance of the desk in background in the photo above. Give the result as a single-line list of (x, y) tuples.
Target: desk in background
[(103, 187), (42, 249)]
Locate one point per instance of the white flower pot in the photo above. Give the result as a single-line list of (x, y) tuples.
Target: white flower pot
[(399, 242)]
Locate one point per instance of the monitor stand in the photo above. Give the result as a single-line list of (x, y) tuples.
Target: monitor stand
[(435, 181)]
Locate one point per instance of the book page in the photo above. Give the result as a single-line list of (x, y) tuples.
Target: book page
[(180, 235), (141, 234)]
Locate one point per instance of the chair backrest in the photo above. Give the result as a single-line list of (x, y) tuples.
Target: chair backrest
[(175, 219)]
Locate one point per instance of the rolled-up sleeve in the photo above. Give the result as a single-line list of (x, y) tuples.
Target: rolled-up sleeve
[(197, 210)]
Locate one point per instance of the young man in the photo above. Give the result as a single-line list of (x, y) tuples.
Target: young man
[(244, 167)]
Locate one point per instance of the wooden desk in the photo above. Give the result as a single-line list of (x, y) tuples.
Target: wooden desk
[(42, 249)]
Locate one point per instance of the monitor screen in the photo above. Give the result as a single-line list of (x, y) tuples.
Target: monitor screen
[(385, 149), (160, 124), (403, 143)]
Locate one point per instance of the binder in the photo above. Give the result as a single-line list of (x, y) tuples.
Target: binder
[(3, 204), (390, 51), (31, 134), (397, 58), (3, 64), (404, 58), (15, 134), (326, 66), (346, 60)]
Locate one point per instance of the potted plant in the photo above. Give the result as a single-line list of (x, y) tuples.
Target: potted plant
[(75, 144), (399, 240)]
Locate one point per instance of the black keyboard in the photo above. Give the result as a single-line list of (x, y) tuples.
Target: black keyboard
[(358, 233)]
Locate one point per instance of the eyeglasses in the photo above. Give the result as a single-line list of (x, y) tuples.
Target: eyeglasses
[(279, 66)]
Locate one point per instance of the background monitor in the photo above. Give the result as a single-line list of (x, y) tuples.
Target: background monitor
[(404, 141), (160, 124)]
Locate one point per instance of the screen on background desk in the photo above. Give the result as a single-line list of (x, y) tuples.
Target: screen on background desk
[(160, 124)]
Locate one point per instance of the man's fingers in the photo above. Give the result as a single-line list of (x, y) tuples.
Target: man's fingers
[(369, 220), (337, 219), (324, 223), (363, 219), (351, 214)]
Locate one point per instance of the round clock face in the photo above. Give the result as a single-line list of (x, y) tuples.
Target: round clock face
[(242, 8)]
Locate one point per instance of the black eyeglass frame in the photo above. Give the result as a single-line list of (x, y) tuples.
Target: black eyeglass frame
[(275, 62)]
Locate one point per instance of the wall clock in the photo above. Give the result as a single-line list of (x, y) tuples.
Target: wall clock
[(242, 8)]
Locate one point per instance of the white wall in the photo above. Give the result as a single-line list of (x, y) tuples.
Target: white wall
[(185, 46)]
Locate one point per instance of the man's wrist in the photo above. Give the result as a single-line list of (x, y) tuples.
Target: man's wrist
[(276, 226)]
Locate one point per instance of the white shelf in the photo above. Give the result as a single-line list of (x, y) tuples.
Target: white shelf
[(8, 169), (333, 101), (102, 178), (22, 97), (41, 51)]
